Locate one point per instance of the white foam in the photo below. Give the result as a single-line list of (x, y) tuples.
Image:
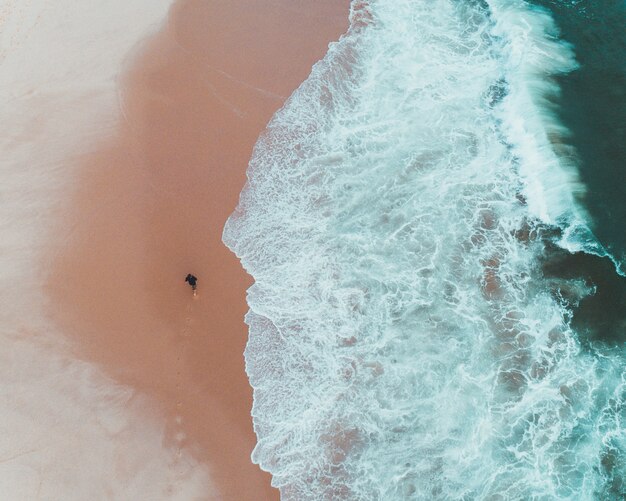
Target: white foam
[(533, 58), (548, 165), (402, 343)]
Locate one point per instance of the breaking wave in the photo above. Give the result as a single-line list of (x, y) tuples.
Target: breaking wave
[(404, 342)]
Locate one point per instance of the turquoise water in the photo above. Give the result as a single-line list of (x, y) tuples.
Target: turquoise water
[(592, 105), (424, 260)]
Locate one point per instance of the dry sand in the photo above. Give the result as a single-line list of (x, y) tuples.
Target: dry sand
[(149, 207), (67, 430)]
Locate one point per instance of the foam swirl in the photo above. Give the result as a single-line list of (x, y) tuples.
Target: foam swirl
[(403, 341)]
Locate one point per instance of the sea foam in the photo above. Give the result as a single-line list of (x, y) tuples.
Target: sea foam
[(404, 343)]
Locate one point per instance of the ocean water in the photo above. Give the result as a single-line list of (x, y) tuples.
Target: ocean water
[(418, 226), (592, 105)]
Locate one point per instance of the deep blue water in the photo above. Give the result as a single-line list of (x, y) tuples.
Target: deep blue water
[(592, 106), (431, 317)]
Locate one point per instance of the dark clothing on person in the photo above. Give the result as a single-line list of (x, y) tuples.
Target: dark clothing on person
[(193, 281)]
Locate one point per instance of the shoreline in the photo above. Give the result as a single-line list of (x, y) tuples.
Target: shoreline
[(150, 206)]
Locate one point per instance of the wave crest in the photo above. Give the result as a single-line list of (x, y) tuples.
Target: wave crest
[(403, 341)]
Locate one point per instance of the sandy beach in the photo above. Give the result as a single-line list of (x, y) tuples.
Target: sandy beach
[(143, 202)]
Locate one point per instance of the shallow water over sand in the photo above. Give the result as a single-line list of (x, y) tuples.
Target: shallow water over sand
[(405, 340), (131, 160)]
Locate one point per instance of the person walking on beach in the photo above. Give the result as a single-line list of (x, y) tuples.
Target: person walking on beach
[(193, 281)]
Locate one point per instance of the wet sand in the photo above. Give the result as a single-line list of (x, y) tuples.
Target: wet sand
[(149, 207)]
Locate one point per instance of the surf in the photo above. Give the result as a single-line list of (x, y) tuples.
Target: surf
[(404, 342)]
